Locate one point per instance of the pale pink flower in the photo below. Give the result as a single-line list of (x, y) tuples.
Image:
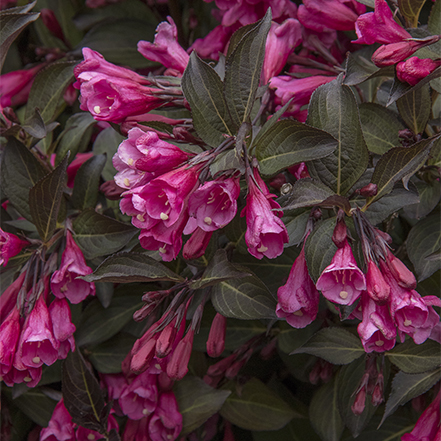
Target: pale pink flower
[(60, 427), (166, 422)]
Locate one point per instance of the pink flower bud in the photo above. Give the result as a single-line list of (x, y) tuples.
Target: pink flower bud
[(177, 367), (340, 232), (8, 299), (197, 244), (415, 69), (51, 22), (234, 369), (221, 366), (166, 422), (404, 277), (60, 425), (376, 286), (164, 343), (378, 392), (143, 355), (369, 190), (216, 337), (359, 402), (10, 246), (63, 327), (9, 335)]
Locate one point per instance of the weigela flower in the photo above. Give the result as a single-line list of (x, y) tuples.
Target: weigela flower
[(214, 42), (177, 366), (298, 299), (137, 430), (402, 275), (10, 246), (342, 281), (64, 282), (165, 49), (266, 233), (20, 373), (166, 422), (9, 335), (84, 434), (216, 337), (60, 427), (63, 327), (197, 244), (377, 288), (415, 69), (8, 299)]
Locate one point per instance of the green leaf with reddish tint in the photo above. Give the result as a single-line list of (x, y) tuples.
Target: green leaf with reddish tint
[(415, 107), (307, 192), (45, 200), (411, 9)]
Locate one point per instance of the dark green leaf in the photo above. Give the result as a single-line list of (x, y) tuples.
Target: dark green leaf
[(76, 135), (48, 88), (243, 70), (295, 430), (434, 23), (12, 22), (197, 401), (160, 126), (408, 386), (424, 239), (107, 142), (429, 196), (319, 248), (333, 108), (237, 37), (288, 142), (307, 193), (380, 127), (203, 89), (35, 126), (400, 163), (98, 235), (324, 414), (20, 171), (45, 200), (87, 179), (132, 267), (414, 108), (411, 10), (295, 224), (334, 344), (415, 359), (256, 407), (291, 338), (227, 161), (104, 293), (82, 395), (247, 299)]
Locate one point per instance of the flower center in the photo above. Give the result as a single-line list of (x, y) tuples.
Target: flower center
[(344, 294), (145, 411), (262, 249), (97, 109), (208, 220), (298, 313), (36, 360), (407, 322), (379, 342), (163, 216)]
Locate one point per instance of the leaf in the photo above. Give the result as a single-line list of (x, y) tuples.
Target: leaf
[(87, 179), (132, 267), (76, 135), (334, 344), (291, 338), (247, 299), (408, 386), (333, 108), (197, 402), (218, 269), (323, 412), (256, 407), (243, 70), (411, 10), (98, 235), (400, 163), (45, 200), (319, 248), (380, 127), (82, 395), (289, 142), (203, 89), (12, 22), (48, 88), (295, 224), (424, 239), (307, 192), (20, 171), (35, 126), (415, 107), (434, 22), (228, 160), (415, 359), (429, 196), (107, 142)]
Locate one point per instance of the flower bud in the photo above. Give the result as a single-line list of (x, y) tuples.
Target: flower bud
[(376, 286), (216, 337), (177, 367), (369, 190), (404, 277)]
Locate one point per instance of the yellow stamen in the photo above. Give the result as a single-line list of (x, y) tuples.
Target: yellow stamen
[(208, 220), (97, 109)]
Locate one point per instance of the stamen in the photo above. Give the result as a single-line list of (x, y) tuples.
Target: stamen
[(130, 161), (140, 217), (36, 360), (63, 289), (298, 313), (407, 322), (344, 294), (97, 109), (163, 216), (262, 249), (91, 436), (145, 411), (208, 220), (162, 250), (379, 342), (27, 379), (127, 182)]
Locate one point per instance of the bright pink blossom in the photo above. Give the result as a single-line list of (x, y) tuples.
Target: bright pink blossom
[(20, 373), (84, 434), (402, 275), (166, 422), (415, 69), (8, 299), (60, 427), (10, 246), (177, 366), (298, 299), (137, 430), (266, 233), (59, 311), (213, 43), (342, 281), (197, 244), (377, 288), (9, 335), (64, 282), (165, 49)]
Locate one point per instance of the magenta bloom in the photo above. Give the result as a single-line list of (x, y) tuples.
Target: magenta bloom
[(197, 244), (214, 42), (342, 281), (63, 327), (60, 427), (216, 337), (166, 422), (22, 374), (377, 330), (377, 288), (64, 282), (213, 205), (427, 427), (139, 398), (298, 299), (177, 366), (136, 430), (9, 335), (322, 15), (165, 50), (83, 434), (8, 299), (10, 246), (281, 41), (415, 69), (37, 343), (266, 233)]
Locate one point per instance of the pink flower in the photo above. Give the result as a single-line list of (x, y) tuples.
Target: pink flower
[(402, 275), (213, 43), (139, 398), (216, 337), (342, 281), (281, 41), (376, 286), (63, 327), (37, 343), (177, 366), (166, 422), (197, 244), (137, 430), (10, 246), (60, 427), (321, 15), (298, 299), (9, 335), (415, 69), (427, 427), (64, 282), (115, 384), (84, 434), (165, 50), (8, 299), (377, 330), (266, 233), (213, 205), (22, 374)]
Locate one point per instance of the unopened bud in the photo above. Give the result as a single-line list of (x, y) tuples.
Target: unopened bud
[(51, 22), (340, 233), (221, 366), (141, 358), (216, 337), (326, 372), (197, 244), (314, 375), (111, 190), (404, 277), (377, 394), (359, 402), (234, 369), (177, 367), (269, 350), (376, 286), (369, 190), (166, 338)]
